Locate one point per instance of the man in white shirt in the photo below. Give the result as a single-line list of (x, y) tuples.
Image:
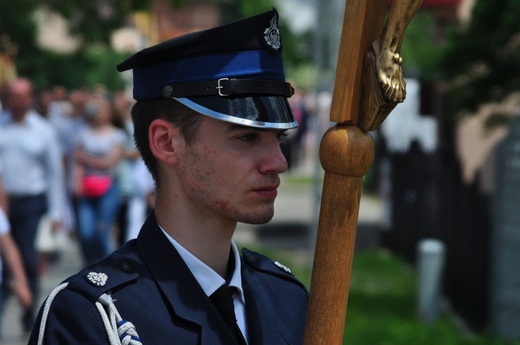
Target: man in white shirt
[(33, 176)]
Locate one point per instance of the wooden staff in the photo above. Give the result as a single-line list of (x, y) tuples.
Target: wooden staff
[(368, 85)]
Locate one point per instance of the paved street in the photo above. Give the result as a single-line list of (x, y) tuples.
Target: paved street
[(293, 206), (68, 263)]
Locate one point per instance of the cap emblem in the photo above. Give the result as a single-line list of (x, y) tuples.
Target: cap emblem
[(97, 279), (272, 35)]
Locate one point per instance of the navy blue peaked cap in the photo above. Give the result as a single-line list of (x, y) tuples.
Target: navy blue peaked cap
[(233, 73)]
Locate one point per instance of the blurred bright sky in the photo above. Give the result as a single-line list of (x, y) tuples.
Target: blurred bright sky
[(300, 14)]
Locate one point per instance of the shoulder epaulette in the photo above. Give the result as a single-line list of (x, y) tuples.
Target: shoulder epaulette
[(96, 283), (263, 263), (103, 276)]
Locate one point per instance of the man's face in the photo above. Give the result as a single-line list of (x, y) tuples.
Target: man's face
[(231, 171), (19, 98)]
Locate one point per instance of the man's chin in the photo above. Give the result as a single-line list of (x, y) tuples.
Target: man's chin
[(256, 222), (257, 219)]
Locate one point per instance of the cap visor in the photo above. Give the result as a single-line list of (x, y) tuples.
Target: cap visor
[(272, 112)]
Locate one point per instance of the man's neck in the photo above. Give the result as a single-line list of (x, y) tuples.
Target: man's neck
[(208, 240), (18, 116)]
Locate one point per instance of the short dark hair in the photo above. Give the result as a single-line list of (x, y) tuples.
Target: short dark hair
[(144, 112)]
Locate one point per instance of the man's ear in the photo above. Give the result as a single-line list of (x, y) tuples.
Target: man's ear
[(164, 140)]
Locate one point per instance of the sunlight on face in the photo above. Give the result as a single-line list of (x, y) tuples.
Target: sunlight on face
[(233, 171)]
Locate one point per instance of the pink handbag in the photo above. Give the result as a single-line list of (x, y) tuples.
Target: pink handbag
[(96, 185)]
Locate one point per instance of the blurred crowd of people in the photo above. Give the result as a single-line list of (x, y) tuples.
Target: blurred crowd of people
[(68, 167)]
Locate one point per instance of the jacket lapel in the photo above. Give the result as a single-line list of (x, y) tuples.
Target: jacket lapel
[(263, 324), (180, 287)]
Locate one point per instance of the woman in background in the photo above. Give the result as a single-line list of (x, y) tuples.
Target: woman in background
[(99, 148)]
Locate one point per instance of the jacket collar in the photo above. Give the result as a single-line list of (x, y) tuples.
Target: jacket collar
[(189, 301), (180, 287)]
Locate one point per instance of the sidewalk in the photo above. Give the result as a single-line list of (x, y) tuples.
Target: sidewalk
[(68, 263)]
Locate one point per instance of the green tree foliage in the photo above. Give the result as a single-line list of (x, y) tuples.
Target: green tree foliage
[(92, 23), (481, 59), (420, 50), (18, 26), (48, 68)]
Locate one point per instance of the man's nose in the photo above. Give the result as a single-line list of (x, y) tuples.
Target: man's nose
[(274, 161)]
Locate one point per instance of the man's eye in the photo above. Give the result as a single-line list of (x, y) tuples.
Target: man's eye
[(247, 137), (282, 136)]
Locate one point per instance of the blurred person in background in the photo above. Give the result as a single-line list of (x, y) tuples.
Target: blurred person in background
[(49, 243), (69, 125), (98, 151), (66, 111), (142, 200), (135, 182), (11, 255), (127, 187), (33, 177), (43, 103)]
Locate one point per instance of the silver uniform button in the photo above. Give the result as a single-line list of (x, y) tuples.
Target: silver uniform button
[(97, 278)]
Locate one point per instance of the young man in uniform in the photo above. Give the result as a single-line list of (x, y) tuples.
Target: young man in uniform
[(210, 115)]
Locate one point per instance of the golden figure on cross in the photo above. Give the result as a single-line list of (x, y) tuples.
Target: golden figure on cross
[(386, 50)]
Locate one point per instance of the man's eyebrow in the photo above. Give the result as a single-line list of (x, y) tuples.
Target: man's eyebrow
[(235, 127)]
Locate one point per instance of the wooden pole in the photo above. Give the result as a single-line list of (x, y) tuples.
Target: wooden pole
[(366, 68), (363, 22), (334, 251)]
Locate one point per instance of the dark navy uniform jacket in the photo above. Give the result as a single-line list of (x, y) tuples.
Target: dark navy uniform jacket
[(154, 289)]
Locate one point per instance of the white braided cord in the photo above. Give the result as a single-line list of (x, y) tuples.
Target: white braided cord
[(119, 331), (112, 336), (46, 309)]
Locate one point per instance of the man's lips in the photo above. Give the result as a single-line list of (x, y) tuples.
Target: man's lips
[(267, 191)]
